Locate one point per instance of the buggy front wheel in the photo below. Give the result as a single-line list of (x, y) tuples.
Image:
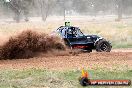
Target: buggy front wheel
[(103, 46)]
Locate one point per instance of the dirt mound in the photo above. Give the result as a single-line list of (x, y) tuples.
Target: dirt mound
[(28, 43)]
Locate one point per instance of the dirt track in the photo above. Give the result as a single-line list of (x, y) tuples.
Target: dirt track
[(117, 59)]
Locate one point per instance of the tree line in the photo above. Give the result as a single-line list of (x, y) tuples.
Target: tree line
[(44, 8)]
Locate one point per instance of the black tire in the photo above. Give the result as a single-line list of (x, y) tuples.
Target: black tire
[(103, 46)]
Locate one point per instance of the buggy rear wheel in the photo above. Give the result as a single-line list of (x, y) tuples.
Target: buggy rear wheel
[(103, 46)]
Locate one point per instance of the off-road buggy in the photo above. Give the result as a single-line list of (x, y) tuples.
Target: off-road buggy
[(75, 39)]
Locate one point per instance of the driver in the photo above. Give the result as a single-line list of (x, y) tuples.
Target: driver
[(71, 32)]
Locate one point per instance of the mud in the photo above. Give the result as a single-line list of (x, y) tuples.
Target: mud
[(28, 44)]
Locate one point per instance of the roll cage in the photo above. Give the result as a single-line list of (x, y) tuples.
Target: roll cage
[(70, 32)]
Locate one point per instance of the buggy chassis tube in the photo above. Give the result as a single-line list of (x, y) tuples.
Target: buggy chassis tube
[(98, 39)]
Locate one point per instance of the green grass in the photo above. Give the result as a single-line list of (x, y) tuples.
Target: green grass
[(38, 78), (121, 45)]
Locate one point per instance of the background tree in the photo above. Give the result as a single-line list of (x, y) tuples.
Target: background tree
[(18, 7), (119, 9), (26, 6), (46, 7)]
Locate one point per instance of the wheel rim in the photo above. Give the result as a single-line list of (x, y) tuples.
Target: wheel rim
[(103, 47)]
